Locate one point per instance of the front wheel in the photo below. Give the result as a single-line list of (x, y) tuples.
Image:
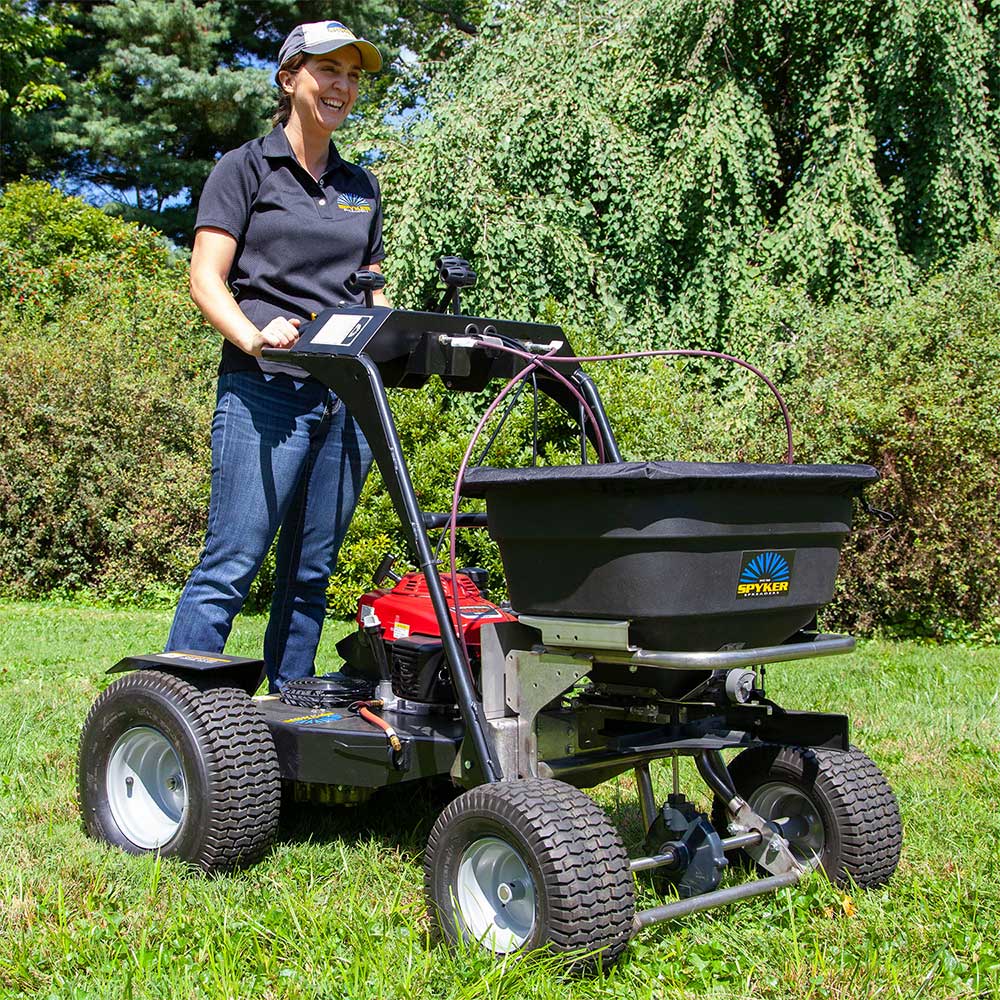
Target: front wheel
[(525, 864), (835, 808), (164, 766)]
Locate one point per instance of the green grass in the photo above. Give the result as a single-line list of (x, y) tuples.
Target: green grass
[(336, 910)]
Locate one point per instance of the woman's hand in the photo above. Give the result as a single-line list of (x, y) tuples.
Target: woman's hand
[(211, 259), (280, 332)]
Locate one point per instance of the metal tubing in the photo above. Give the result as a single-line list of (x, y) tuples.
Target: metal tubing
[(468, 520), (668, 857), (647, 803), (741, 840), (712, 768), (593, 397), (397, 475), (825, 644), (720, 897)]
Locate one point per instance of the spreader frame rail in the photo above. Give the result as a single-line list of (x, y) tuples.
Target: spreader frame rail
[(408, 356)]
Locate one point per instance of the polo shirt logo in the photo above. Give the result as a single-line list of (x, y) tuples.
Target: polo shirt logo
[(353, 203)]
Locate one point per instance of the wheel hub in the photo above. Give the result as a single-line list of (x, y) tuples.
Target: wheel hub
[(796, 815), (507, 892), (495, 894), (146, 790)]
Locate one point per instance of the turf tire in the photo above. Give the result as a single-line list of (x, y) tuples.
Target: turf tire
[(228, 759), (583, 885), (860, 816)]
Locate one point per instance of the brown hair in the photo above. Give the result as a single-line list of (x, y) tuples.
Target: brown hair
[(284, 109)]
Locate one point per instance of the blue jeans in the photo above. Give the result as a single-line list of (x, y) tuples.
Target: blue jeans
[(285, 454)]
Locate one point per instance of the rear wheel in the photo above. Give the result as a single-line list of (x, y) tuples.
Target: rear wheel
[(835, 807), (525, 864), (165, 766)]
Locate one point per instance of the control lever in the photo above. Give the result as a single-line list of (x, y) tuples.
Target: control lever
[(456, 273), (384, 571), (368, 282)]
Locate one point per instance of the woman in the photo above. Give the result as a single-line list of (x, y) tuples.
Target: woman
[(282, 222)]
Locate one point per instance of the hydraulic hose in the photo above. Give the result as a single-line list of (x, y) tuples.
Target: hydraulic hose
[(363, 709)]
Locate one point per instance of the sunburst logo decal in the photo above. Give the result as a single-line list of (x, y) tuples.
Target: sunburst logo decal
[(353, 203), (765, 574)]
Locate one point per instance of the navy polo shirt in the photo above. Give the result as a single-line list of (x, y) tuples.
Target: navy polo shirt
[(298, 239)]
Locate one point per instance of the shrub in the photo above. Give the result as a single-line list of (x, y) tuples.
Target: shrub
[(105, 375), (107, 384)]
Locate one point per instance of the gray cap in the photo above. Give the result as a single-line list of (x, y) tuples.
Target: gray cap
[(321, 37)]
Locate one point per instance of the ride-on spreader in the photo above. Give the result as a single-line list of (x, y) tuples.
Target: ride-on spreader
[(646, 601)]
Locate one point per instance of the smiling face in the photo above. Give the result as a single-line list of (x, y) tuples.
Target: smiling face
[(324, 90)]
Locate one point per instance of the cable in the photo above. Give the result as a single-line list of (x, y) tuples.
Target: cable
[(500, 425), (456, 498), (551, 359), (534, 419)]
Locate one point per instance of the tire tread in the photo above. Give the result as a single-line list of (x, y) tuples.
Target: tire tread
[(588, 882), (241, 763), (864, 806)]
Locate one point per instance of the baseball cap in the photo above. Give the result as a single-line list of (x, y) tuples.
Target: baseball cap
[(320, 37)]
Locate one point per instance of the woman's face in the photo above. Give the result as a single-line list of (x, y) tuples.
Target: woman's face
[(324, 90)]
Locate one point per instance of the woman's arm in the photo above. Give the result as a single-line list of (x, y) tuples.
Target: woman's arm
[(211, 259)]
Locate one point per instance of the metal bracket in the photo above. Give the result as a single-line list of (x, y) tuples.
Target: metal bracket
[(581, 633), (772, 853), (531, 681)]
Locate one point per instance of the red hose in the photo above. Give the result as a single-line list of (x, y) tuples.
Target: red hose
[(377, 720)]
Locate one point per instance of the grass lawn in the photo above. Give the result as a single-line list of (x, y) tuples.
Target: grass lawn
[(336, 909)]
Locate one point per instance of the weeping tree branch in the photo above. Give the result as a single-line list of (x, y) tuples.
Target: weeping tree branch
[(451, 13)]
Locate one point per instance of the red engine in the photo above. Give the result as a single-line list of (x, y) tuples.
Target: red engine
[(411, 639), (407, 610)]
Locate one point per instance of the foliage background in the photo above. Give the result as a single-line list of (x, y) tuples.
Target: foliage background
[(809, 184)]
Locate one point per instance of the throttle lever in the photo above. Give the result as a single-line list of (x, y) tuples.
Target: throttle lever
[(366, 281)]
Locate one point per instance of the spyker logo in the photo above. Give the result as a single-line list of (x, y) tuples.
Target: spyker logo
[(765, 574)]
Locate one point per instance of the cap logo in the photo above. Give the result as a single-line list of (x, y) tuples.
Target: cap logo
[(341, 30)]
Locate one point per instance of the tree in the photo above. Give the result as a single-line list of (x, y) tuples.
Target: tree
[(26, 77), (150, 116), (157, 89), (663, 157)]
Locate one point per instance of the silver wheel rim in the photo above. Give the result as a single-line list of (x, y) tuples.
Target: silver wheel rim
[(147, 790), (797, 815), (496, 895)]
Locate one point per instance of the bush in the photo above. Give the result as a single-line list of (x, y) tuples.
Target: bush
[(914, 391), (107, 383), (105, 378)]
